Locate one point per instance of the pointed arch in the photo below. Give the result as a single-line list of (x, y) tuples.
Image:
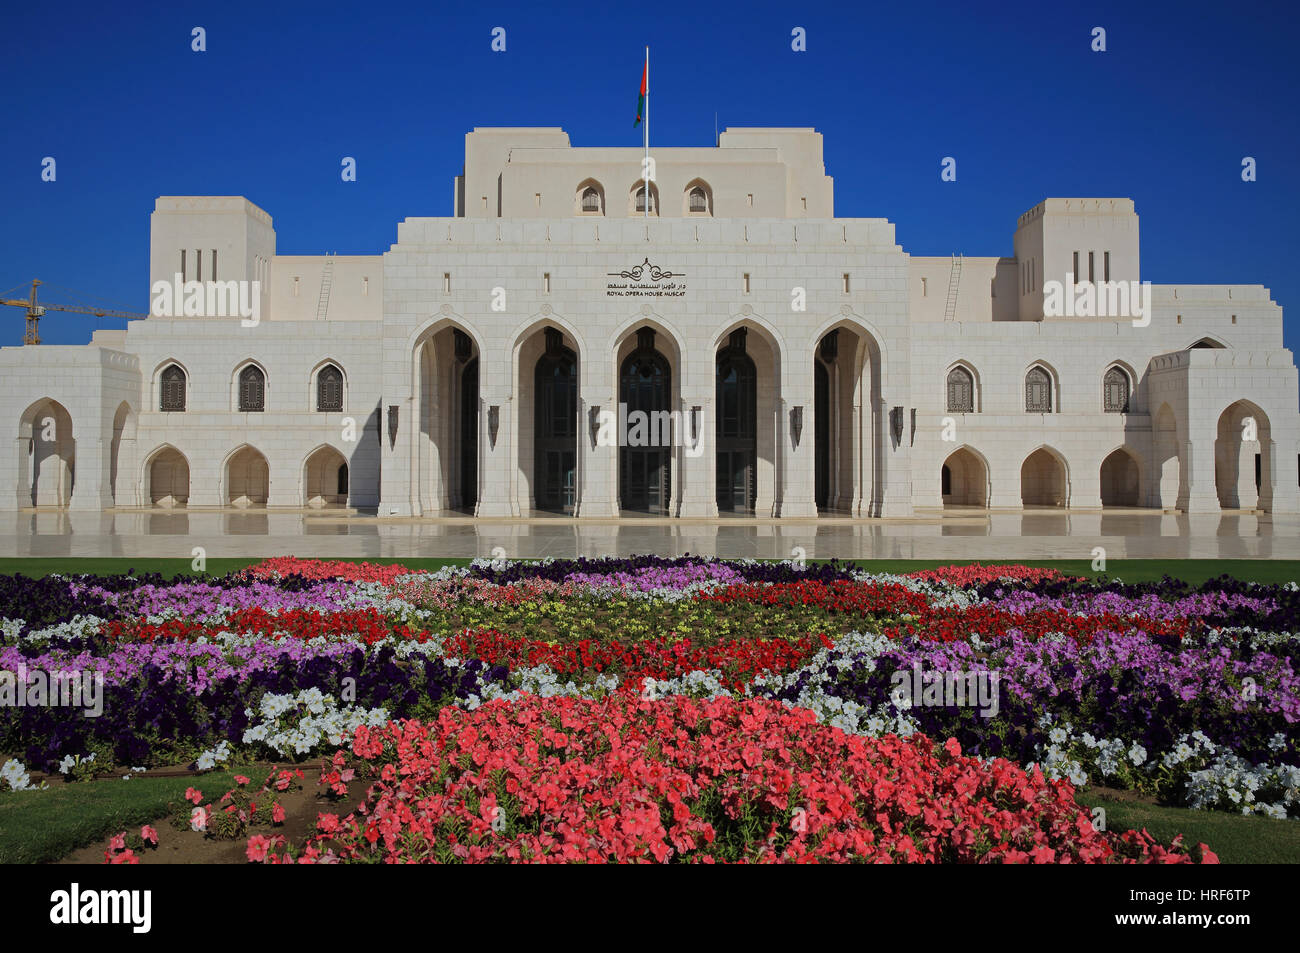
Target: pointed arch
[(546, 358), (250, 387), (328, 383), (1243, 452), (1045, 478), (1118, 383), (170, 386), (589, 198), (849, 420), (634, 200), (1121, 478), (964, 478), (325, 477), (697, 199), (165, 477), (48, 470), (961, 388), (246, 477), (445, 414), (1041, 389)]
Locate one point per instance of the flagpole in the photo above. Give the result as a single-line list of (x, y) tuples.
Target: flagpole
[(646, 169)]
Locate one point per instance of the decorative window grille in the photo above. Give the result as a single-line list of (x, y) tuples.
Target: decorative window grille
[(961, 391), (1115, 387), (252, 390), (172, 396), (329, 389), (1038, 391)]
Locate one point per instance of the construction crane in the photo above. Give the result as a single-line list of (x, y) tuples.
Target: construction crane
[(35, 310)]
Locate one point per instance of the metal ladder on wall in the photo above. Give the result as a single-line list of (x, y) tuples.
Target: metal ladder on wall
[(326, 282), (954, 279)]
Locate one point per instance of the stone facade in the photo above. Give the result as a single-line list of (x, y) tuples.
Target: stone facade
[(551, 348)]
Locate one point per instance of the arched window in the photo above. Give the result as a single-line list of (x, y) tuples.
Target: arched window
[(961, 391), (699, 201), (329, 389), (1038, 391), (640, 201), (1115, 391), (252, 389), (590, 201), (171, 397)]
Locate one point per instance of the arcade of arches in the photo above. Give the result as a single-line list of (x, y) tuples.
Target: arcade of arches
[(843, 426)]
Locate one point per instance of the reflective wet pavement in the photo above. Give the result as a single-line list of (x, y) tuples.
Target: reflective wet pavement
[(1046, 534)]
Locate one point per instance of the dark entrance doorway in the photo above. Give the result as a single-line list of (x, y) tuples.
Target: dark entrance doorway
[(644, 472), (822, 434), (737, 402), (555, 426), (468, 421)]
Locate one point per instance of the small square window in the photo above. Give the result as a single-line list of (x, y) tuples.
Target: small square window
[(846, 283), (1234, 319), (1180, 319), (746, 282), (546, 282), (446, 282), (750, 199)]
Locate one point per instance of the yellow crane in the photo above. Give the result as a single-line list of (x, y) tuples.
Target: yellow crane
[(35, 310)]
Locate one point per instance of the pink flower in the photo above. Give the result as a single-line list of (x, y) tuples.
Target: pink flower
[(199, 819), (952, 746), (117, 842), (126, 857), (258, 846), (277, 814), (149, 835), (241, 780), (193, 795)]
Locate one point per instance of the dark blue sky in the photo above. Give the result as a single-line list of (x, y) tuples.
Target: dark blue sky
[(1012, 90)]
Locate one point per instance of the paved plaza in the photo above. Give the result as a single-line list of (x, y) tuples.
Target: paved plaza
[(1046, 534)]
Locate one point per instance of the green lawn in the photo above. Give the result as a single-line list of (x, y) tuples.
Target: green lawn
[(1130, 570), (1236, 839), (41, 826)]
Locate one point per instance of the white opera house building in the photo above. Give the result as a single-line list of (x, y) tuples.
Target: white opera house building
[(551, 348)]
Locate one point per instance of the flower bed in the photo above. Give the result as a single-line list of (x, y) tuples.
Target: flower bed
[(619, 780), (1184, 694)]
